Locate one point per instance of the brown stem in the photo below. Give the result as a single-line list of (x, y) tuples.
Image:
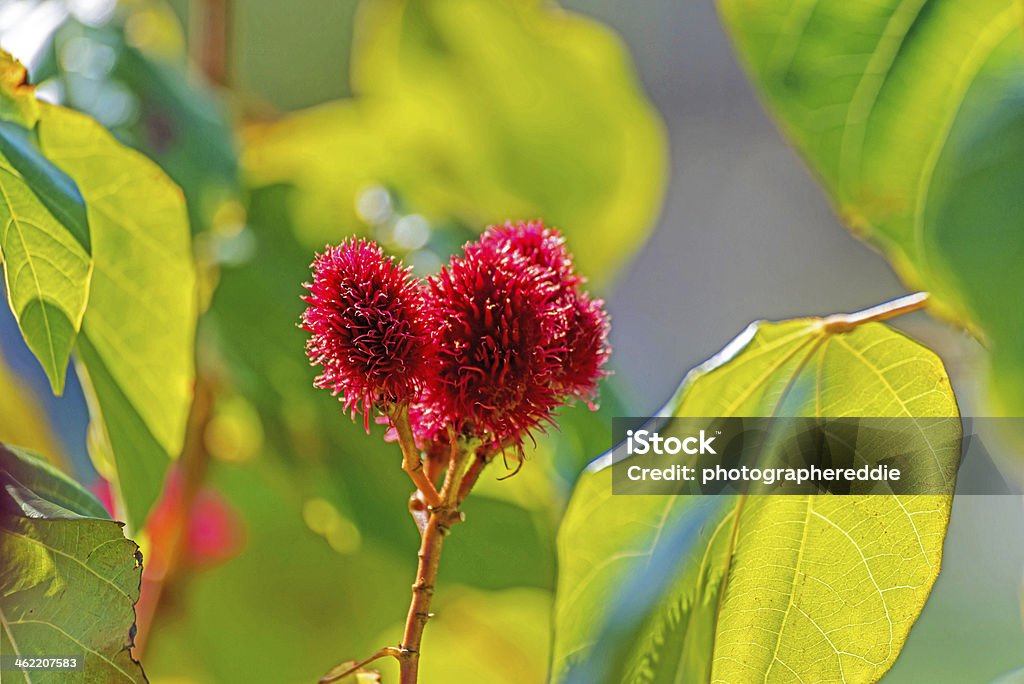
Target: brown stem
[(165, 556), (480, 462), (210, 24), (436, 460), (434, 523), (422, 593), (358, 667), (411, 462), (441, 519)]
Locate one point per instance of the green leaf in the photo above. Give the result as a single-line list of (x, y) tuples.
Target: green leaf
[(44, 237), (138, 337), (765, 588), (911, 113), (69, 580), (478, 112)]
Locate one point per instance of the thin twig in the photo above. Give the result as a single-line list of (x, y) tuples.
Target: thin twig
[(382, 653), (164, 559), (480, 462), (435, 460), (210, 26), (442, 517), (841, 323), (434, 522), (411, 461)]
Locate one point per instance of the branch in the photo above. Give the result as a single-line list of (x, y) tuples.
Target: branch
[(357, 667), (411, 461), (442, 517), (434, 521), (210, 26), (472, 475), (164, 559)]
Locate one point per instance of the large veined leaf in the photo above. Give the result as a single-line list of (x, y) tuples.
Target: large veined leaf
[(44, 232), (138, 337), (911, 112), (136, 342), (761, 588), (69, 579), (479, 112)]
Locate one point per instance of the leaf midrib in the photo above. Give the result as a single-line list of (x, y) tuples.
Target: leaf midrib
[(819, 336), (69, 557), (7, 624), (96, 653), (35, 278), (14, 644)]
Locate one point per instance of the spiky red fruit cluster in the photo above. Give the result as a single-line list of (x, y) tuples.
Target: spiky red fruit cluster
[(497, 319), (367, 329), (583, 336), (507, 335)]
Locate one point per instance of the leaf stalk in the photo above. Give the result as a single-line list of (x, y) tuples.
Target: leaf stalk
[(845, 322)]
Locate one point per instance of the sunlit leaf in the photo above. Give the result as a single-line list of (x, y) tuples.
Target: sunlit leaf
[(44, 232), (69, 579), (479, 112), (760, 588), (911, 113), (177, 121), (137, 342)]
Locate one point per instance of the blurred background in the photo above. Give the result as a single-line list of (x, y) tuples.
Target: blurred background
[(629, 125)]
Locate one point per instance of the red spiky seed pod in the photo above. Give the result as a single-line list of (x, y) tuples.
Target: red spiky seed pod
[(515, 335), (586, 348), (540, 244), (584, 343), (367, 328), (494, 316)]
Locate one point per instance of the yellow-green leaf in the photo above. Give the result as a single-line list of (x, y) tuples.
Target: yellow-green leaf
[(479, 111), (133, 326), (44, 233), (761, 588), (910, 112), (138, 337)]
